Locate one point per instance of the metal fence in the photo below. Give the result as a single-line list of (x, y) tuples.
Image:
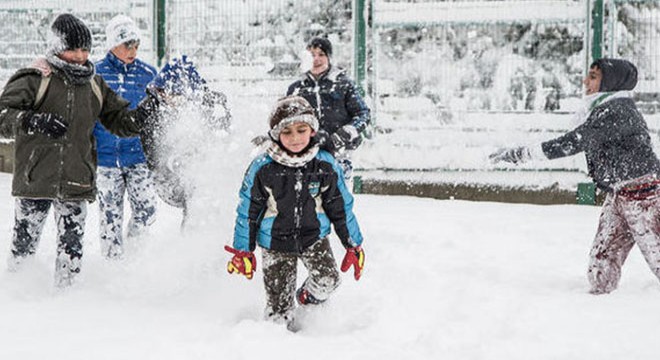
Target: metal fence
[(26, 26), (632, 31), (470, 55), (460, 55), (255, 40)]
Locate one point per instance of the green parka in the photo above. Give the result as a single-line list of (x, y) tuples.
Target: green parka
[(63, 168)]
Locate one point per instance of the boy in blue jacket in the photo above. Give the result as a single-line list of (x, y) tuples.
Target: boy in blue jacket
[(122, 164), (289, 197)]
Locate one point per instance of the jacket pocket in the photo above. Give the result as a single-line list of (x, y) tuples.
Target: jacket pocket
[(79, 171), (38, 166)]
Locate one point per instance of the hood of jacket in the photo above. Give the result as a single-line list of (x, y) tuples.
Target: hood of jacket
[(618, 74)]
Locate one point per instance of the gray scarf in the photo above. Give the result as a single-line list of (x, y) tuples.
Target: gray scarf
[(76, 74)]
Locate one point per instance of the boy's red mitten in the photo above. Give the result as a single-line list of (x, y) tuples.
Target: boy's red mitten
[(243, 262), (354, 257)]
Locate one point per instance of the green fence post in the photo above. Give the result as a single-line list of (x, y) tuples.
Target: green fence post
[(159, 18), (360, 44), (357, 184), (597, 37), (586, 194)]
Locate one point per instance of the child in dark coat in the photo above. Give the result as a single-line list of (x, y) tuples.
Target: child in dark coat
[(50, 110), (342, 112), (289, 197), (620, 159)]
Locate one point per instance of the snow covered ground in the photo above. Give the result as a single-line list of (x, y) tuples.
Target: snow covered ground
[(443, 280)]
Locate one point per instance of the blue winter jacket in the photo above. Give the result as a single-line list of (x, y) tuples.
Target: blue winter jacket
[(129, 81), (288, 209)]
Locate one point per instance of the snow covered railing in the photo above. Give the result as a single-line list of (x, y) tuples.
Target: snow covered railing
[(433, 13), (454, 152)]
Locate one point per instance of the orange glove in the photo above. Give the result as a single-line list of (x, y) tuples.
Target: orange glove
[(354, 257), (243, 262)]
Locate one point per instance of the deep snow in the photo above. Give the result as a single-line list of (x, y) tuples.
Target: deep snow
[(444, 279)]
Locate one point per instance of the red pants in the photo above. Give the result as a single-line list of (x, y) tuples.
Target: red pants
[(628, 218)]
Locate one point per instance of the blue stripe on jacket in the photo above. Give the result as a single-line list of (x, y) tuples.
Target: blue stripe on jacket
[(351, 221), (129, 81), (242, 227)]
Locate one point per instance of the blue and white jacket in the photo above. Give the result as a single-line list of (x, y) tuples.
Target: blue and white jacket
[(128, 81), (288, 209)]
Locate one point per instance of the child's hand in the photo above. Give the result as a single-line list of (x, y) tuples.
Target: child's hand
[(243, 262), (354, 257), (511, 155), (49, 124), (346, 138)]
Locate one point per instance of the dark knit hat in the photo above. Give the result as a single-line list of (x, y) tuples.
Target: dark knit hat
[(70, 33), (321, 43), (618, 74), (289, 110)]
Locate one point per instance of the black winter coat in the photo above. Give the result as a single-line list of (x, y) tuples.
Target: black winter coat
[(616, 143), (288, 209), (335, 99)]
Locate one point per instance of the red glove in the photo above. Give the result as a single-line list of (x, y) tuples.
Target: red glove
[(354, 257), (243, 262)]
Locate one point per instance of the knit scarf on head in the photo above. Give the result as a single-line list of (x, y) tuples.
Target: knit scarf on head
[(594, 100), (281, 156), (76, 74)]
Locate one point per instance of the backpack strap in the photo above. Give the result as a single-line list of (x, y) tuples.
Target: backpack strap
[(96, 89), (45, 81), (43, 86)]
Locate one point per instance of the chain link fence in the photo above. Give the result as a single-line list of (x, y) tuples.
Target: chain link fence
[(512, 55), (255, 41), (26, 27), (632, 31)]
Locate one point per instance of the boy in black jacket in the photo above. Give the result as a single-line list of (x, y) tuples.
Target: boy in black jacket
[(288, 199), (343, 114), (620, 159)]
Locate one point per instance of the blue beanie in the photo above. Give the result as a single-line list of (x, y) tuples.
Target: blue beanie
[(179, 76)]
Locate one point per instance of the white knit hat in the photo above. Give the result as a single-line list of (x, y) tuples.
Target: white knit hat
[(120, 30)]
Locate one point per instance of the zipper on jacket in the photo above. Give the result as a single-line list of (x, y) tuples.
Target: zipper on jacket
[(297, 210), (62, 141), (317, 93)]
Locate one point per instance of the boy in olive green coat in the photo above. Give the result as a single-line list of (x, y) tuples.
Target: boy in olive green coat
[(50, 110)]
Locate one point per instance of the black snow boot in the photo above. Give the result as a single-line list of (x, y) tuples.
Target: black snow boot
[(304, 297)]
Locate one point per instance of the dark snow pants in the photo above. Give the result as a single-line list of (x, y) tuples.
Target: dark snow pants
[(112, 183), (30, 217), (280, 270), (626, 219)]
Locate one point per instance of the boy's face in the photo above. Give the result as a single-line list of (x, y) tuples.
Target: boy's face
[(77, 56), (320, 61), (592, 80), (296, 137), (126, 52)]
